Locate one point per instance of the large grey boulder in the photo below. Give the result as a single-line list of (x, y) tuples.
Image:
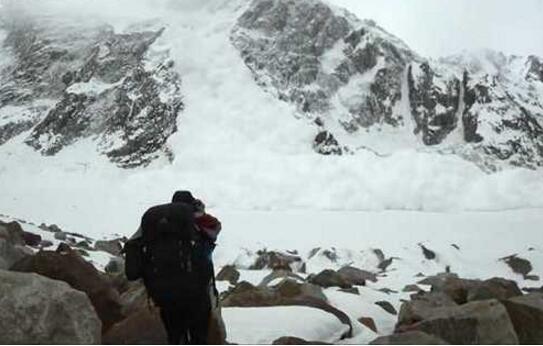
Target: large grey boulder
[(408, 338), (526, 313), (421, 306), (38, 310), (481, 322), (68, 266), (12, 244)]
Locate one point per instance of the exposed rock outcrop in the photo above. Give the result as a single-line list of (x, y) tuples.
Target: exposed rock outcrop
[(38, 310)]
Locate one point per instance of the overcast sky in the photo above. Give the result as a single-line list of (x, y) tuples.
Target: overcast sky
[(443, 27)]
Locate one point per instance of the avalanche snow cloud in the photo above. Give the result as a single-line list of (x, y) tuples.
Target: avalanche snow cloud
[(229, 138)]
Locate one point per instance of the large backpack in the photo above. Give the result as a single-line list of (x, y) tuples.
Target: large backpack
[(169, 256)]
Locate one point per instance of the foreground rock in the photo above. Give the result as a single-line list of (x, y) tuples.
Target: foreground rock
[(38, 310), (142, 327), (66, 265), (408, 338), (526, 313), (12, 244), (482, 322)]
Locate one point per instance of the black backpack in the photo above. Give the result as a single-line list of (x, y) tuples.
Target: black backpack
[(169, 257)]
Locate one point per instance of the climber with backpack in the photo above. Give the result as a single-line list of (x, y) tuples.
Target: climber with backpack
[(171, 253)]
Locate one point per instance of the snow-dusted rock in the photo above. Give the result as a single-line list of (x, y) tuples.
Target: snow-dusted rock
[(71, 268), (38, 310), (72, 81)]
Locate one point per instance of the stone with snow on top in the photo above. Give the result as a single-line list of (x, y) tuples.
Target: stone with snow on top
[(112, 247), (357, 276), (276, 275), (264, 325), (228, 273), (276, 261), (518, 265), (68, 266), (38, 310), (329, 278)]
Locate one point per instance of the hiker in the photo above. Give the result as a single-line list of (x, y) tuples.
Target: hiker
[(171, 252)]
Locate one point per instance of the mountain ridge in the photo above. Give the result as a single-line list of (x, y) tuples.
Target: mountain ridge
[(347, 76)]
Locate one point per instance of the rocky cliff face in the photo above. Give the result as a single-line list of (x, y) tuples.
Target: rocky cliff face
[(333, 66), (66, 82), (69, 83)]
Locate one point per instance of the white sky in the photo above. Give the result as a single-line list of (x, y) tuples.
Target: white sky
[(442, 27)]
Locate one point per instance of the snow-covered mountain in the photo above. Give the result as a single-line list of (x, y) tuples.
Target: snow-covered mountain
[(237, 100), (67, 79)]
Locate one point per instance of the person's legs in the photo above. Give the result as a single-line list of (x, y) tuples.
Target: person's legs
[(199, 322), (175, 324)]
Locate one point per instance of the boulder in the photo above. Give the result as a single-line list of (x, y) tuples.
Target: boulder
[(387, 307), (62, 236), (276, 261), (495, 288), (464, 290), (142, 327), (408, 338), (411, 288), (357, 276), (115, 265), (526, 313), (228, 273), (518, 265), (368, 322), (247, 295), (352, 290), (112, 247), (134, 298), (45, 244), (289, 288), (68, 266), (32, 239), (12, 244), (421, 306), (12, 232), (38, 310), (292, 340), (280, 274), (480, 322), (329, 278), (284, 294)]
